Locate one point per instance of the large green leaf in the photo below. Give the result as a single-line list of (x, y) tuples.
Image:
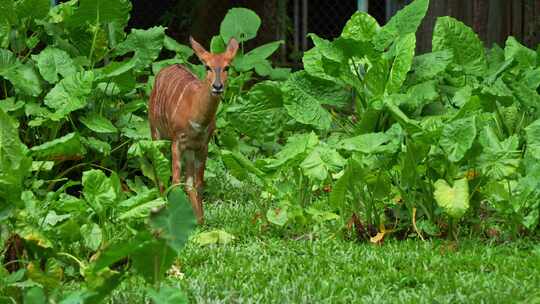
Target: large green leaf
[(23, 77), (532, 78), (524, 94), (181, 50), (100, 11), (14, 161), (429, 65), (176, 222), (92, 235), (240, 23), (361, 26), (70, 94), (377, 77), (457, 137), (238, 165), (97, 145), (217, 45), (146, 44), (454, 200), (33, 9), (304, 94), (65, 147), (261, 112), (52, 62), (256, 56), (322, 161), (421, 94), (143, 210), (114, 69), (134, 127), (98, 190), (313, 59), (153, 259), (143, 196), (5, 29), (463, 42), (150, 150), (405, 22), (523, 55), (117, 251), (369, 143), (278, 216), (352, 176), (297, 145), (499, 159), (98, 123), (404, 54), (338, 195), (35, 295), (532, 132), (7, 11)]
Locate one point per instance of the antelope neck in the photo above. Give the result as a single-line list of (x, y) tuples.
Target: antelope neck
[(207, 107)]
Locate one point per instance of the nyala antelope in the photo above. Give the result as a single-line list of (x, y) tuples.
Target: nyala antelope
[(183, 109)]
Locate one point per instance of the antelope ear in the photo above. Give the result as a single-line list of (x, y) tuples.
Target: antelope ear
[(199, 49), (232, 48)]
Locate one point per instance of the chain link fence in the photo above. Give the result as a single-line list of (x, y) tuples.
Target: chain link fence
[(287, 20)]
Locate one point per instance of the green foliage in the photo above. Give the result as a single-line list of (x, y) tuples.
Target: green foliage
[(70, 94), (304, 96), (146, 44), (468, 50), (361, 27), (404, 53), (100, 12), (53, 62), (454, 200), (241, 24), (457, 138), (405, 22), (15, 162), (176, 221), (459, 113), (71, 80)]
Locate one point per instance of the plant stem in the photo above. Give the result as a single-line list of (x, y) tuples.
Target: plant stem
[(94, 43)]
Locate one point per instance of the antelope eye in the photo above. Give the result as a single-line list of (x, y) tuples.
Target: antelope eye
[(208, 68)]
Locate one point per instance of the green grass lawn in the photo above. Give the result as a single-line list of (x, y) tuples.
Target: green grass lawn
[(267, 268)]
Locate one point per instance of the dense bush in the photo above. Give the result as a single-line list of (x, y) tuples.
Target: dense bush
[(435, 140)]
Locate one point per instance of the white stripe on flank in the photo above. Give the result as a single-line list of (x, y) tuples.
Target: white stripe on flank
[(181, 96)]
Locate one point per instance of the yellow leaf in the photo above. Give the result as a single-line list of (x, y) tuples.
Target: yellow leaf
[(377, 239)]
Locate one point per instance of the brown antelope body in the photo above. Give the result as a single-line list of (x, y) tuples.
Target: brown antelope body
[(183, 109)]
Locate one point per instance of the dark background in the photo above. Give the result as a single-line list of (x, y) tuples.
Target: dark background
[(493, 20)]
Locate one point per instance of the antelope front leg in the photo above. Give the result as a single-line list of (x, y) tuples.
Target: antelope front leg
[(176, 161)]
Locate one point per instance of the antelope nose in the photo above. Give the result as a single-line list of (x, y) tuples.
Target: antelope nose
[(217, 88)]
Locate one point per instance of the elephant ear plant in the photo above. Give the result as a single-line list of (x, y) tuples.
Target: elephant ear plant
[(434, 142)]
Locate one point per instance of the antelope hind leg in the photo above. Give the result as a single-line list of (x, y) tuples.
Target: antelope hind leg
[(191, 185), (200, 164)]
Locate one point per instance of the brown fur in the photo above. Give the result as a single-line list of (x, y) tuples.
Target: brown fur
[(183, 109)]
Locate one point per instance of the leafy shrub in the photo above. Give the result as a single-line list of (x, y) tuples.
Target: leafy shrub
[(434, 139)]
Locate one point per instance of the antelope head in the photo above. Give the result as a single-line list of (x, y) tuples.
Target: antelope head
[(217, 65)]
